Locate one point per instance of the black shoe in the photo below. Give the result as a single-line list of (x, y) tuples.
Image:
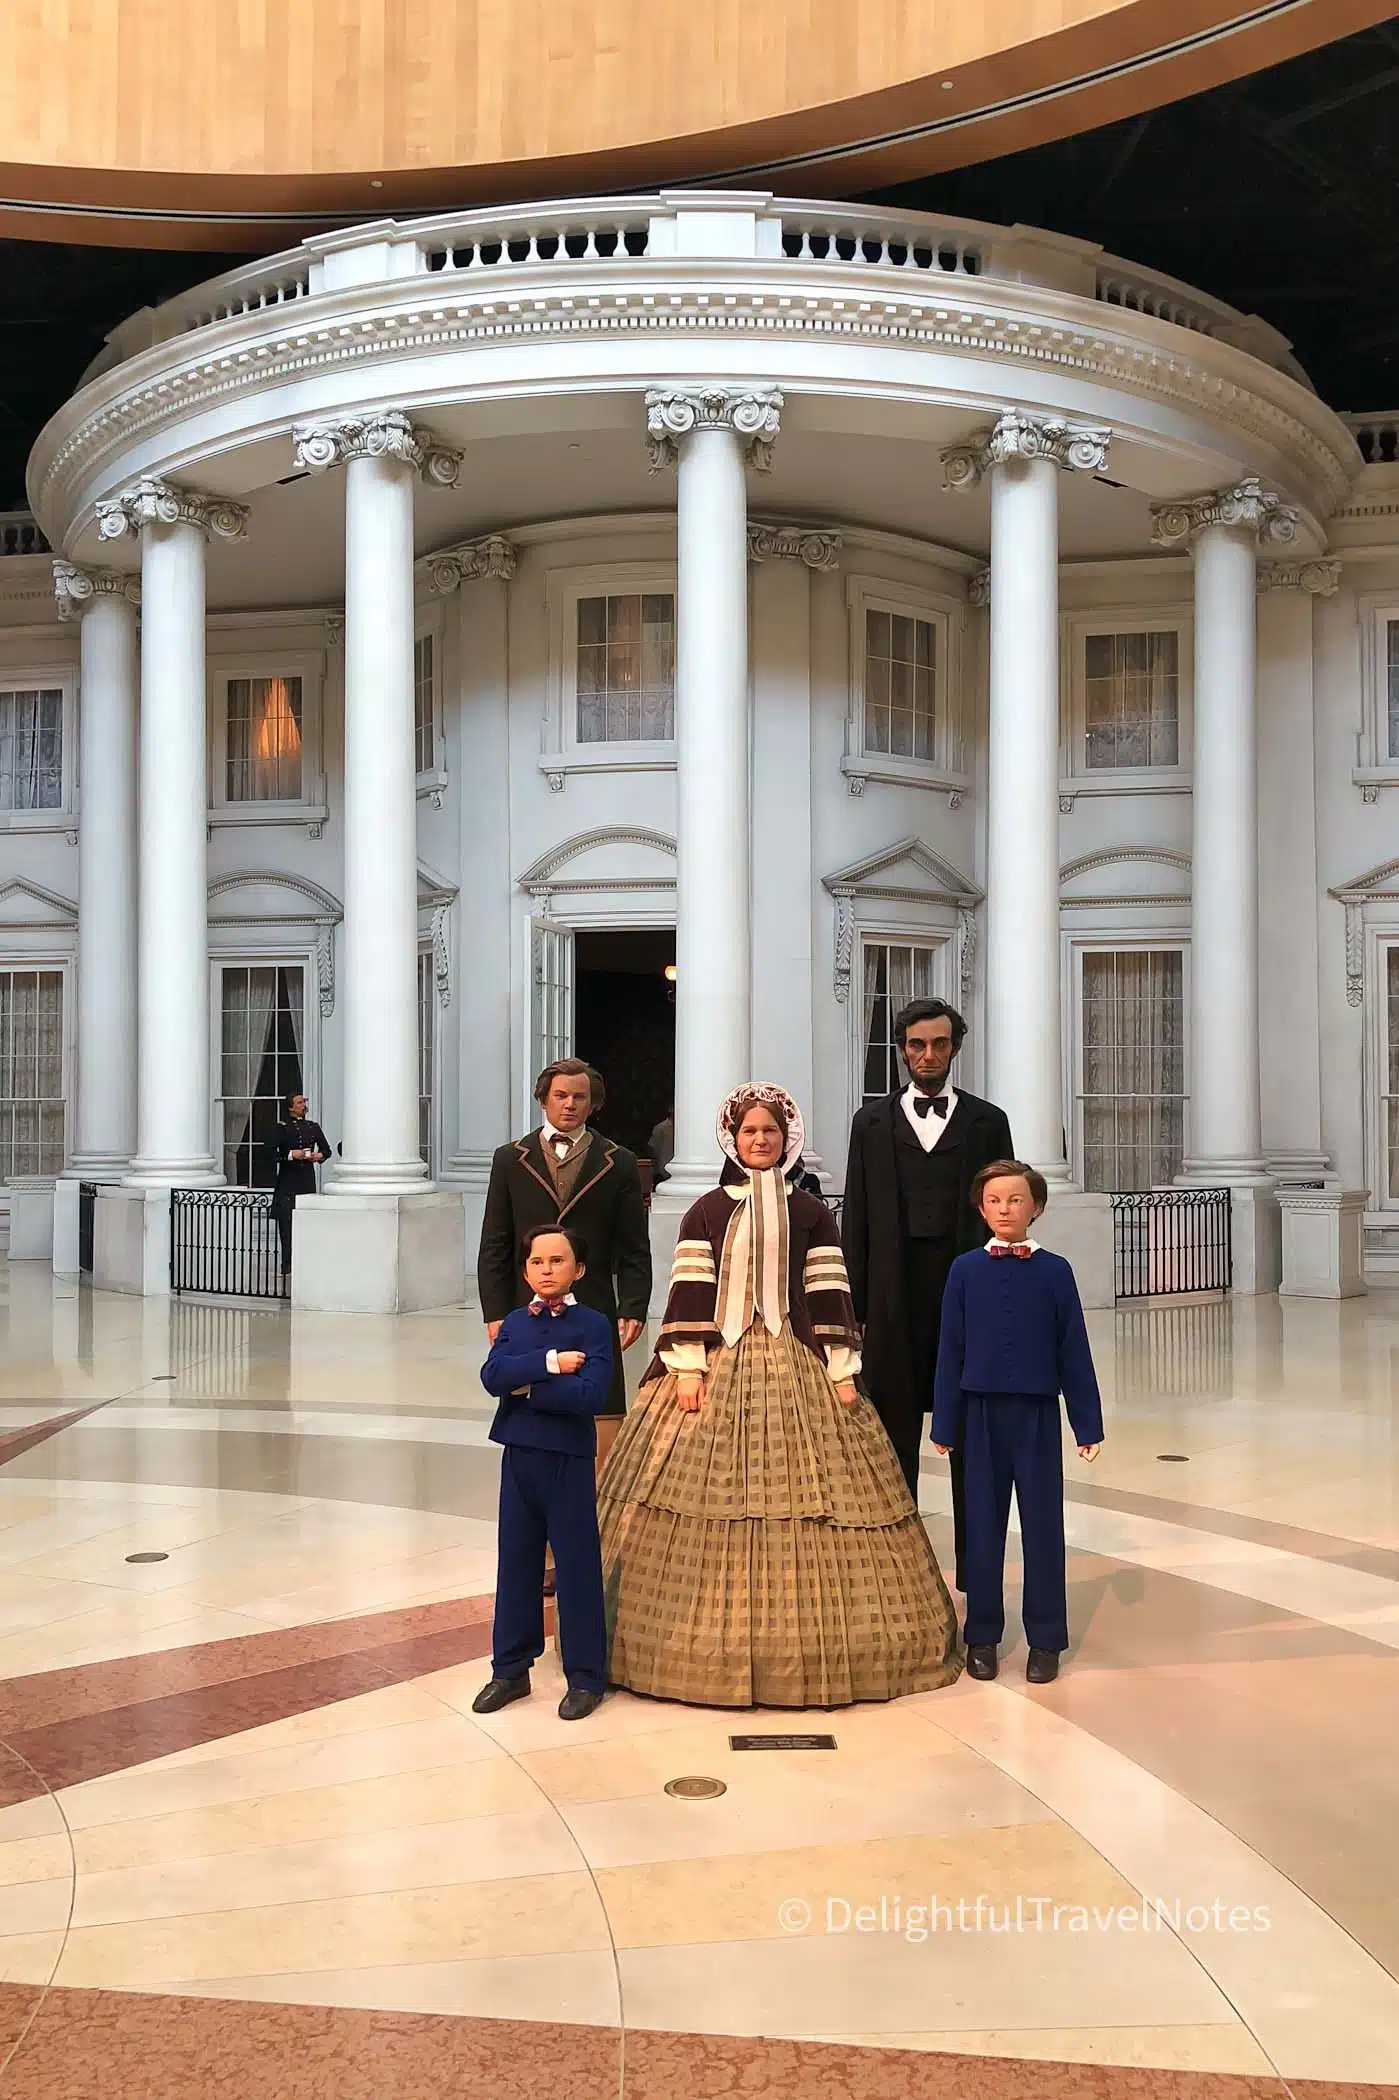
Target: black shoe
[(577, 1703), (501, 1691), (1042, 1666), (981, 1661)]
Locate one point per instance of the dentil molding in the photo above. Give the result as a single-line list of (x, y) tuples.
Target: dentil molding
[(1018, 434), (389, 434), (151, 501), (1246, 507), (673, 413), (76, 589), (451, 567)]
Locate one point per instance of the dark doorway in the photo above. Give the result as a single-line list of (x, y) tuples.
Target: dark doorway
[(624, 1023)]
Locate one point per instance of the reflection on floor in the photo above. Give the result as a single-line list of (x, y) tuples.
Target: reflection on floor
[(252, 1837)]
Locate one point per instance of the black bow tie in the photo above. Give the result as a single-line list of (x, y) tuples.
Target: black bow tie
[(939, 1104)]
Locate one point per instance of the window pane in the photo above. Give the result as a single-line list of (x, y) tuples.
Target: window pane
[(1391, 644), (31, 749), (1131, 698), (894, 972), (32, 1105), (261, 1009), (424, 704), (1133, 1075), (626, 668), (899, 685), (426, 1048), (264, 740)]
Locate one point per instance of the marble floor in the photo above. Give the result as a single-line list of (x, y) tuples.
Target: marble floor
[(253, 1840)]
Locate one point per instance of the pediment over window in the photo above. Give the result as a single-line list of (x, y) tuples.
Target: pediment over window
[(1116, 875), (26, 906), (1376, 886), (1382, 881), (258, 898), (907, 870), (434, 890), (611, 857)]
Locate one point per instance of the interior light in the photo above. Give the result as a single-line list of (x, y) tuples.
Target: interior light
[(670, 973)]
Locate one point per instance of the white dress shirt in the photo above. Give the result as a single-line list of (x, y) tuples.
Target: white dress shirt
[(928, 1129), (554, 1138)]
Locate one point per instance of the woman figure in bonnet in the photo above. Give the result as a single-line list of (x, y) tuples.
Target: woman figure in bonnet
[(758, 1540)]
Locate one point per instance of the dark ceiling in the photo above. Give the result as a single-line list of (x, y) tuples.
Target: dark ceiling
[(1279, 193)]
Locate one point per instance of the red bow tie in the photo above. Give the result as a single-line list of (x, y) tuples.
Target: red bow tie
[(1017, 1247), (555, 1311)]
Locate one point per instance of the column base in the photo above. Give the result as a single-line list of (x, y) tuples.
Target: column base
[(1078, 1225), (31, 1217), (668, 1206), (379, 1253), (471, 1173), (161, 1174), (1323, 1242), (131, 1240), (1256, 1239)]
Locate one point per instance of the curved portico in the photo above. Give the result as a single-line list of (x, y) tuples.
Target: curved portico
[(902, 402)]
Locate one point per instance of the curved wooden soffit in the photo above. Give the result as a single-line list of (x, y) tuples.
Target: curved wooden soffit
[(244, 124)]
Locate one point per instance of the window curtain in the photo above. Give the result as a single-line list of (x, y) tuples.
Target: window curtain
[(31, 750), (249, 1018), (31, 1072), (1133, 1068)]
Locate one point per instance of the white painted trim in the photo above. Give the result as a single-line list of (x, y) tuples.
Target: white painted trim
[(310, 806), (560, 751), (1136, 936), (1076, 776), (946, 615)]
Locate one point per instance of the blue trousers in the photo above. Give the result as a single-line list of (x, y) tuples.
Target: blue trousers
[(1012, 1440), (549, 1498)]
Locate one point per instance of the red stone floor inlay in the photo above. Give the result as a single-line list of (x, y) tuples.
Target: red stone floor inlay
[(113, 2045), (81, 1723), (13, 1441)]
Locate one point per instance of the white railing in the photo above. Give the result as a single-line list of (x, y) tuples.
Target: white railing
[(615, 232), (20, 534), (1377, 435)]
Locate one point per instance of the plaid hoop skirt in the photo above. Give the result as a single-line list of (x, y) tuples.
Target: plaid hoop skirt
[(765, 1551)]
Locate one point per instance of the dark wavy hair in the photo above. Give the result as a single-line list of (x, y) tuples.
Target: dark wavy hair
[(929, 1010), (572, 1068)]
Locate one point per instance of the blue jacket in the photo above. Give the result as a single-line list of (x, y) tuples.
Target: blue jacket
[(1014, 1326), (556, 1411)]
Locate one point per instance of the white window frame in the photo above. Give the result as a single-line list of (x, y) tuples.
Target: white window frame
[(1076, 776), (427, 959), (428, 624), (561, 753), (1131, 939), (310, 807), (872, 932), (1374, 767), (1379, 937), (262, 948), (61, 678), (946, 770), (50, 958)]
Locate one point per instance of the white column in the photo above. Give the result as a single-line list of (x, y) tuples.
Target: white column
[(105, 1109), (1223, 530), (1024, 1036), (378, 975), (173, 1095), (710, 431)]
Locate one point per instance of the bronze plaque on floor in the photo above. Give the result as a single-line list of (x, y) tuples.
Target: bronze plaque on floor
[(782, 1742)]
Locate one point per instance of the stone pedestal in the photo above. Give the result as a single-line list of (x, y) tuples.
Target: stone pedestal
[(664, 1217), (31, 1217), (131, 1241), (1078, 1225), (386, 1253), (66, 1197), (1256, 1239), (1322, 1234)]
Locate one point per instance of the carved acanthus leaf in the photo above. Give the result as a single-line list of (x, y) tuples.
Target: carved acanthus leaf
[(77, 589), (391, 434), (151, 501), (674, 412), (1246, 507), (1077, 447)]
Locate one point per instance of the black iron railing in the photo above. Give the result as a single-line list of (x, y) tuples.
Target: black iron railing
[(87, 1224), (224, 1242), (836, 1206), (1166, 1242)]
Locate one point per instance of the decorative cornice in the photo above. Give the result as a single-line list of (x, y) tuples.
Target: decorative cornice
[(76, 589), (1078, 447), (754, 413), (151, 501), (1319, 579), (815, 545), (1246, 507), (451, 567), (979, 587), (335, 630), (391, 434)]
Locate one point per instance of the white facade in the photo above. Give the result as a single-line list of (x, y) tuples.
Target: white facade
[(1131, 576)]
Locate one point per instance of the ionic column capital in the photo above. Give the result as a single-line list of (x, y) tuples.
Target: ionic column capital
[(1319, 579), (1246, 507), (979, 587), (391, 434), (77, 589), (450, 567), (151, 501), (674, 412), (1080, 448), (816, 546)]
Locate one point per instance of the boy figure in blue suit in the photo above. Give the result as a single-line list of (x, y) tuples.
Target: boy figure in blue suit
[(1013, 1339), (550, 1367)]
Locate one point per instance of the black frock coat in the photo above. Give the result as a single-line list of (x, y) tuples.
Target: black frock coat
[(606, 1207), (296, 1177), (873, 1234)]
